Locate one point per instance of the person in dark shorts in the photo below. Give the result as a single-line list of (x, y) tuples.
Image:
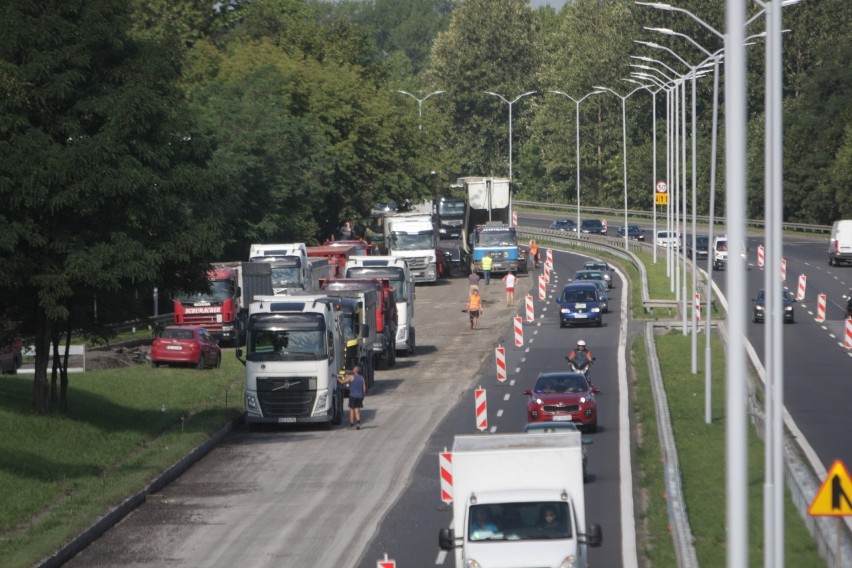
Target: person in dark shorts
[(357, 390)]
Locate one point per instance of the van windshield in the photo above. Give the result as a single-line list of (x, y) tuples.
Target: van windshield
[(534, 520)]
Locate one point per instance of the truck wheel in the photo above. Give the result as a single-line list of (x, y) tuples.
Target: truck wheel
[(382, 363), (392, 356), (411, 344)]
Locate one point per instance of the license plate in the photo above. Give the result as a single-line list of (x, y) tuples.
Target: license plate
[(561, 419), (580, 305), (581, 316), (174, 348), (284, 419)]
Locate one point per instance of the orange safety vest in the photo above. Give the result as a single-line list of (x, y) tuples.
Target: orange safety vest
[(475, 303)]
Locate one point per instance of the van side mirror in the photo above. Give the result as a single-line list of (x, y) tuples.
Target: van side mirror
[(594, 535), (446, 539)]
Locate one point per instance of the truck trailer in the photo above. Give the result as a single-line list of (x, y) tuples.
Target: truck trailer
[(519, 502)]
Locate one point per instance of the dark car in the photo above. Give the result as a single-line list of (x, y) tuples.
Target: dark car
[(757, 313), (592, 226), (564, 225), (186, 345), (563, 397), (604, 267), (702, 247), (634, 232), (580, 303), (559, 428)]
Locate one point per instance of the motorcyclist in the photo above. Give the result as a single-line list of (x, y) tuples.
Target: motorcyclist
[(581, 358)]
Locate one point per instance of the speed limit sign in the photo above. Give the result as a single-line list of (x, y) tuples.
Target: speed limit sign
[(662, 187)]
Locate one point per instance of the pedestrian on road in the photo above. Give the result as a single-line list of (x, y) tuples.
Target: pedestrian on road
[(534, 252), (487, 264), (357, 390), (510, 279), (474, 308), (474, 283)]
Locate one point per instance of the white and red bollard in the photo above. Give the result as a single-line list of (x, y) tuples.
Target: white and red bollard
[(547, 273), (542, 288), (519, 332), (821, 302), (530, 309), (761, 260), (605, 226), (697, 307), (783, 269), (445, 470), (549, 257), (386, 562), (514, 218), (803, 284), (500, 358), (481, 409), (848, 342)]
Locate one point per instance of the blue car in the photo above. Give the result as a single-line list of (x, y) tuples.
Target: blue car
[(580, 303)]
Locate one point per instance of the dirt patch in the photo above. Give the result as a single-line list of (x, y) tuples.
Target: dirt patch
[(116, 357)]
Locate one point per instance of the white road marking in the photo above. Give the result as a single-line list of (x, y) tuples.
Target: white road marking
[(506, 396), (499, 413)]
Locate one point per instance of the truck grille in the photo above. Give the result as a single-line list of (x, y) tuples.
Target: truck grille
[(286, 396), (207, 321), (417, 263)]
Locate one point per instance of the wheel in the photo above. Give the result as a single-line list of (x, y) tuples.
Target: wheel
[(411, 343), (337, 409), (155, 365), (392, 356), (600, 322), (382, 363), (218, 361), (201, 365)]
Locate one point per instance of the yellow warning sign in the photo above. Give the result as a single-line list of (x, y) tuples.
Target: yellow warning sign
[(834, 498), (662, 198)]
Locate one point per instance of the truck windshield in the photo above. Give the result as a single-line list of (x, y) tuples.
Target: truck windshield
[(538, 520), (277, 337), (420, 241), (348, 325), (286, 277), (498, 239), (451, 208), (220, 290), (395, 275)]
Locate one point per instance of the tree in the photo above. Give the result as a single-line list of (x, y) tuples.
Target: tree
[(105, 181)]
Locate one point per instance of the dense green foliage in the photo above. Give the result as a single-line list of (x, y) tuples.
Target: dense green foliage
[(142, 140)]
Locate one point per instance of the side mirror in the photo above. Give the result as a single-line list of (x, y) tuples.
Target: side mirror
[(594, 536), (528, 392), (239, 354), (446, 539), (365, 330)]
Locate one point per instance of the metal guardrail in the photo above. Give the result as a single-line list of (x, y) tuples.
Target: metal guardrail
[(704, 219)]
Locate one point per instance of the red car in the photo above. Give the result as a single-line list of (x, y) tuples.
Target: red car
[(563, 397), (186, 345)]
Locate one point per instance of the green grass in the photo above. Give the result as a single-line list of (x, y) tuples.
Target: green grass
[(701, 451), (124, 427)]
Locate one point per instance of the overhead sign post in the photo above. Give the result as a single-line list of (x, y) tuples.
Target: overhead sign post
[(661, 197)]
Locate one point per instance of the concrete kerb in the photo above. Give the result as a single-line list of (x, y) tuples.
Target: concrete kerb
[(103, 524)]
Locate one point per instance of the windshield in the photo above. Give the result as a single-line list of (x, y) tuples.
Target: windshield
[(348, 324), (419, 241), (220, 290), (291, 337), (498, 238), (285, 277), (451, 208), (519, 521)]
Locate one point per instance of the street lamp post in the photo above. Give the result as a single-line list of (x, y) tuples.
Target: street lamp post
[(577, 130), (624, 145), (510, 103), (420, 104)]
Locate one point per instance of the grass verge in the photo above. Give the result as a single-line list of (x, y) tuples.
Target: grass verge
[(124, 427), (701, 451)]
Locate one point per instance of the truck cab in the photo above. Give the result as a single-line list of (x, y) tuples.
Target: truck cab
[(215, 310), (396, 271), (291, 266), (412, 238), (449, 216), (294, 352)]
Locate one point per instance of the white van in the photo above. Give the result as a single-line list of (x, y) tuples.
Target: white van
[(720, 252), (668, 239), (840, 243)]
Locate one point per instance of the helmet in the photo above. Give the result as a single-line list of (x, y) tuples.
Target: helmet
[(581, 343)]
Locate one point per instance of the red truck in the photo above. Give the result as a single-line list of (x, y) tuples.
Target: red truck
[(362, 247), (336, 255), (384, 345), (216, 311)]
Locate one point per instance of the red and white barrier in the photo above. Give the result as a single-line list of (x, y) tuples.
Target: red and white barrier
[(761, 260), (549, 257), (783, 269), (848, 343), (500, 358), (547, 273), (803, 284), (481, 409), (697, 307), (542, 288), (514, 218), (821, 302), (386, 562), (519, 332), (530, 308), (445, 470), (605, 226)]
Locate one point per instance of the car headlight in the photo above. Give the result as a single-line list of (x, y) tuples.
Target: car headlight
[(322, 401), (251, 402), (759, 308), (471, 563), (596, 310), (788, 308), (569, 562), (565, 310)]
